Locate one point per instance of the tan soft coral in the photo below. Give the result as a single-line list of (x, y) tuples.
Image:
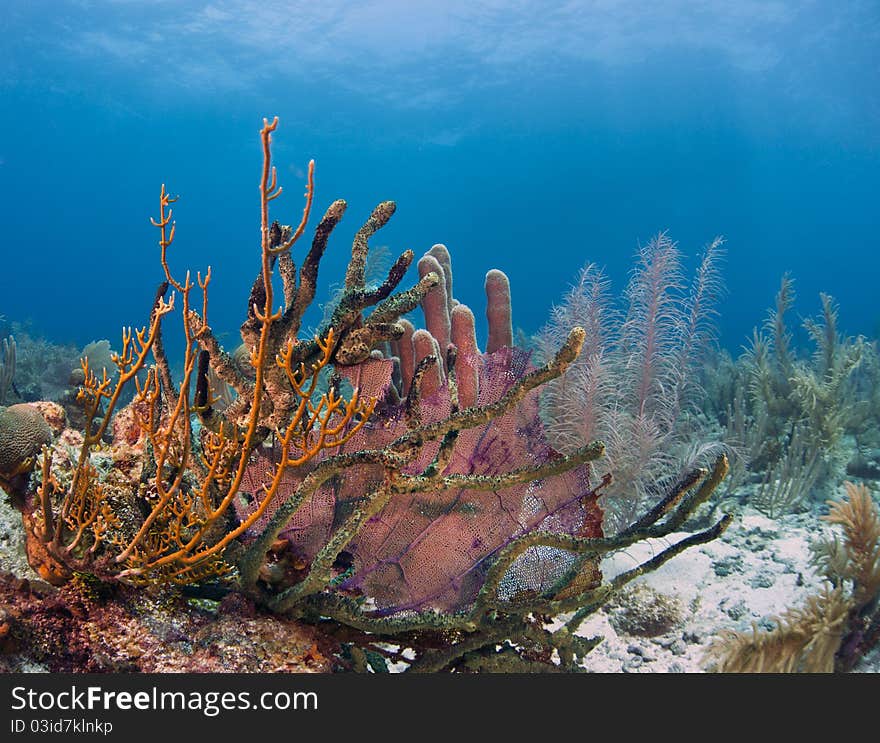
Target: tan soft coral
[(837, 626), (860, 519)]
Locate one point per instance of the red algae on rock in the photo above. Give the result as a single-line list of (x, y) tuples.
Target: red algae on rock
[(84, 627)]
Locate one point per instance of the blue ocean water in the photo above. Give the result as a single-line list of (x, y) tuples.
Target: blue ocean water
[(530, 136)]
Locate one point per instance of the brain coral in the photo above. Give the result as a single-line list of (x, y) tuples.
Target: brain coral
[(23, 431)]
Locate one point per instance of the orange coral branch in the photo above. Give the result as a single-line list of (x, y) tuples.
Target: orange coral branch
[(183, 536), (166, 239)]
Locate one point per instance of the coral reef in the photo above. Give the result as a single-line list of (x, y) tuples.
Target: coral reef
[(796, 418), (374, 480), (90, 627), (42, 370), (34, 369)]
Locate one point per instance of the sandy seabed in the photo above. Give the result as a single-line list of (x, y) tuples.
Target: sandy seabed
[(755, 571)]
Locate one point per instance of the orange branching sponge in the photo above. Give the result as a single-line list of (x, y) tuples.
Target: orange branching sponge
[(186, 532), (187, 497), (75, 522)]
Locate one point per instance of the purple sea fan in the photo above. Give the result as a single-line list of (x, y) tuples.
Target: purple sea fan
[(431, 551)]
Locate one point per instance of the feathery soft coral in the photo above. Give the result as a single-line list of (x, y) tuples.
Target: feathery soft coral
[(636, 373)]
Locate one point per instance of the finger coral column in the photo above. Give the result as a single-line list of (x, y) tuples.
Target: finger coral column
[(447, 321), (439, 306), (498, 311)]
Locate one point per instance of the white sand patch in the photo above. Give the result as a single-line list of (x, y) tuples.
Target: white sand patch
[(756, 570)]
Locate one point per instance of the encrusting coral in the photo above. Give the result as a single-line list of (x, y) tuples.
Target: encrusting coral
[(396, 481), (645, 612)]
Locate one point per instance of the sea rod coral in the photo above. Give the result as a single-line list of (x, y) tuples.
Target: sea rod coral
[(389, 480)]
